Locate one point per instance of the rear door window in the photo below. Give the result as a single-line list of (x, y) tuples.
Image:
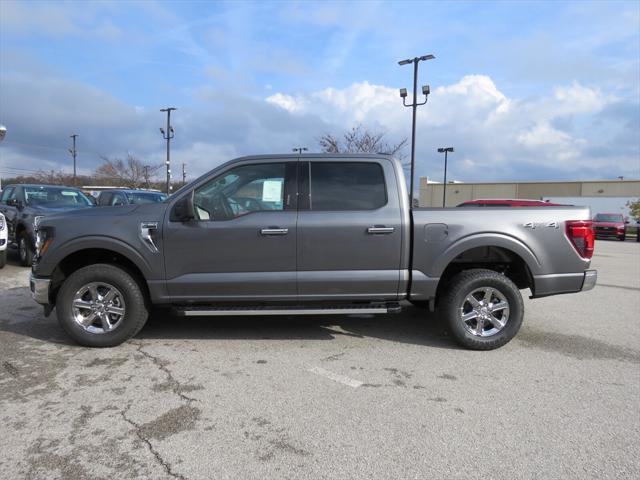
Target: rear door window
[(341, 186)]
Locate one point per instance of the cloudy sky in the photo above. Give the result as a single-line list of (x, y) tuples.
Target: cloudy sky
[(523, 90)]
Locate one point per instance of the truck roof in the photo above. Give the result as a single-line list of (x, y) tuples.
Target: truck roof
[(336, 156)]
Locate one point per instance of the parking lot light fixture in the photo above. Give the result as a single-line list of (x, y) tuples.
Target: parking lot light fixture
[(414, 105), (300, 149), (445, 150)]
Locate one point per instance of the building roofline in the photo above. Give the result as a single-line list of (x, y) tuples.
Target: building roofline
[(536, 181)]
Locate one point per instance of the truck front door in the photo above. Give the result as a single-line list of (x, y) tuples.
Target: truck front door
[(349, 230), (242, 243)]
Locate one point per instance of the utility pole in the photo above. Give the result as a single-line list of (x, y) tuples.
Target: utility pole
[(414, 104), (168, 135), (445, 150), (184, 174), (73, 153)]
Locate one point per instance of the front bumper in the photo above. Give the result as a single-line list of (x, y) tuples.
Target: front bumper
[(590, 279), (40, 289)]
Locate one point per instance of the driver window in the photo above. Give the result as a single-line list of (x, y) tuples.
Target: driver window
[(7, 195), (240, 191)]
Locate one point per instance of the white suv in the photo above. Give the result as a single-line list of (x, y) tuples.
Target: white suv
[(3, 240)]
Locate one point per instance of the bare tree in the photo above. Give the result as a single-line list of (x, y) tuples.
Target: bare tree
[(361, 140), (128, 172)]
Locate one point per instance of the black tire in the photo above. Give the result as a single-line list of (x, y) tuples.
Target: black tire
[(622, 238), (460, 287), (25, 252), (136, 312), (3, 258)]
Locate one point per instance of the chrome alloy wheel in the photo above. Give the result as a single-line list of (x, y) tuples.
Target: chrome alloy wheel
[(98, 307), (484, 312)]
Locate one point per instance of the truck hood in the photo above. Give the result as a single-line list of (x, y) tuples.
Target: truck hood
[(46, 210), (102, 214)]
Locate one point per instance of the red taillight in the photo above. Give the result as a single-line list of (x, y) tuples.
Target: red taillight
[(582, 237)]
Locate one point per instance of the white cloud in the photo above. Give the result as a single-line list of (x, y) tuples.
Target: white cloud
[(496, 135)]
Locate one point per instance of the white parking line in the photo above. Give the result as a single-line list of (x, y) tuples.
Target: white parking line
[(336, 377)]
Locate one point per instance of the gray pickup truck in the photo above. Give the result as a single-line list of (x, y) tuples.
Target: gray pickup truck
[(310, 234)]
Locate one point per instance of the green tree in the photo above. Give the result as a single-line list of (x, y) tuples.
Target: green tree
[(635, 209)]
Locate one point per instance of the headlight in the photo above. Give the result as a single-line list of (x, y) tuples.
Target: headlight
[(36, 221), (44, 237), (1, 222)]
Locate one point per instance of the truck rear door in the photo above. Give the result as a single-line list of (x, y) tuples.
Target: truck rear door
[(349, 230)]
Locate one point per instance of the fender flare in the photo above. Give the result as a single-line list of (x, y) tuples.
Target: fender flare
[(499, 240), (92, 243)]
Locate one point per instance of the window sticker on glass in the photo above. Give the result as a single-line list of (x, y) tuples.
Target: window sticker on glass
[(272, 191), (67, 193)]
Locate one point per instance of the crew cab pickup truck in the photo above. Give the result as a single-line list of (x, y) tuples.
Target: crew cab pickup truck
[(310, 234)]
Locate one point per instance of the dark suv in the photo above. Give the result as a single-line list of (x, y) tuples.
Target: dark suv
[(24, 205), (121, 196)]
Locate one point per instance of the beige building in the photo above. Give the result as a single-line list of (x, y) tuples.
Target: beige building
[(431, 193)]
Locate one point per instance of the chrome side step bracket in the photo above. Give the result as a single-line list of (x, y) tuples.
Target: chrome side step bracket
[(247, 311)]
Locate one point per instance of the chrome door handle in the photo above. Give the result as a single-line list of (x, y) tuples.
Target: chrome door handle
[(377, 230), (274, 231)]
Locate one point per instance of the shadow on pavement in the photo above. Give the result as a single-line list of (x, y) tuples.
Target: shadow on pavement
[(413, 326)]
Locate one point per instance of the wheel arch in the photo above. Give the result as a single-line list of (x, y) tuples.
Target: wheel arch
[(83, 257), (499, 253)]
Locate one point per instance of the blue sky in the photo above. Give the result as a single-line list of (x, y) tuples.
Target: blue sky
[(524, 90)]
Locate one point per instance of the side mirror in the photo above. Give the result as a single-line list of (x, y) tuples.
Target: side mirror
[(184, 209), (14, 202)]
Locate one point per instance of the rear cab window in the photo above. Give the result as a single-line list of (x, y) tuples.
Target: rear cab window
[(344, 186)]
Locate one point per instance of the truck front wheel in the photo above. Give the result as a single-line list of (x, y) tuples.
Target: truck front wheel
[(483, 309), (101, 306)]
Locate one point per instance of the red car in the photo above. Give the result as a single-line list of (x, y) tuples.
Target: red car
[(610, 225), (508, 203)]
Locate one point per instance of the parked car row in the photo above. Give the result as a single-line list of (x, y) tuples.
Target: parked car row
[(22, 207)]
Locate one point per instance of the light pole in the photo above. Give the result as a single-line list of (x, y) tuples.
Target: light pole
[(3, 133), (300, 149), (414, 104), (73, 153), (445, 150), (184, 173), (168, 135)]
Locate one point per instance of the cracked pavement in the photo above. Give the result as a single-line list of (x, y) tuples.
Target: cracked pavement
[(230, 398)]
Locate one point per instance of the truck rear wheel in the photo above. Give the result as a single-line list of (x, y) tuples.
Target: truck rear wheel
[(101, 306), (483, 309)]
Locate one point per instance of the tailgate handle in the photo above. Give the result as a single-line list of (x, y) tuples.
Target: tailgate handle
[(274, 231), (380, 230)]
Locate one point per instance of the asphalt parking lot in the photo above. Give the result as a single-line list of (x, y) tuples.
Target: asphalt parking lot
[(343, 397)]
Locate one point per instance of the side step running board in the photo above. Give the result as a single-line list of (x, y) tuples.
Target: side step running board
[(205, 311)]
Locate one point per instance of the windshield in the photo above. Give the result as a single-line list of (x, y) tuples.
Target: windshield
[(55, 197), (608, 217), (138, 198)]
